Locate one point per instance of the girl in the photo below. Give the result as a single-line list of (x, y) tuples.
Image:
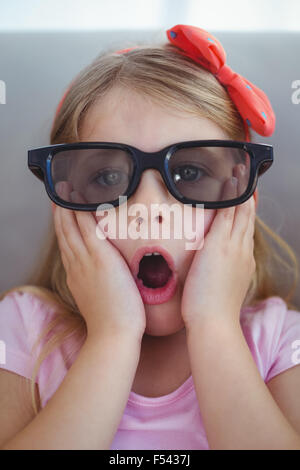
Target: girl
[(183, 349)]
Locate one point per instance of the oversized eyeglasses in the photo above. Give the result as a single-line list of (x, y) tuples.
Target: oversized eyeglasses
[(195, 172)]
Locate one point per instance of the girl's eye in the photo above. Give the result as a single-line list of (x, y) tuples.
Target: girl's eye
[(187, 173), (109, 177)]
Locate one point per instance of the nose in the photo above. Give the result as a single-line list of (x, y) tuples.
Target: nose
[(151, 190)]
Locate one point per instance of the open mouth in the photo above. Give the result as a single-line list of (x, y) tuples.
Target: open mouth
[(154, 274), (154, 271)]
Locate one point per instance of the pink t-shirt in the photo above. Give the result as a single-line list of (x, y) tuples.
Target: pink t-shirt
[(171, 421)]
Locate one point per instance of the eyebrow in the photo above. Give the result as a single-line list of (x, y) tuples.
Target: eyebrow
[(103, 152), (216, 157), (235, 155), (207, 149)]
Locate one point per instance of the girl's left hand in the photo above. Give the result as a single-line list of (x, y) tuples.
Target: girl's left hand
[(221, 271)]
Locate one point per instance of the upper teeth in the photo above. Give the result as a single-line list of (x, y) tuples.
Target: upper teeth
[(150, 254)]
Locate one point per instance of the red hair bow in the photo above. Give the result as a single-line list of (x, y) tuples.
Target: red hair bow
[(203, 48)]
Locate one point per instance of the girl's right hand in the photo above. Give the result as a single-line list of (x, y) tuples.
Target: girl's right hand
[(97, 275)]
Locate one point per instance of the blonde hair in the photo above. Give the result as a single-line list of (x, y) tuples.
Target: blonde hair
[(169, 79)]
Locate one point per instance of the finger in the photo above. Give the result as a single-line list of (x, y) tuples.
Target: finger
[(247, 163), (93, 231), (86, 223), (65, 251), (249, 234), (243, 220), (63, 189), (69, 224), (224, 218), (240, 222), (241, 172)]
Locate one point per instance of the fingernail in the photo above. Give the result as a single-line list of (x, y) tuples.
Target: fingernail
[(76, 196), (59, 187), (242, 169), (234, 181)]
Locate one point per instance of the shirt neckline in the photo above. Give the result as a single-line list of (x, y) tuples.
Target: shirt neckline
[(183, 389)]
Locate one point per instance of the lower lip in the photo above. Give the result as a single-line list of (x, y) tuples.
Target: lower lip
[(160, 294)]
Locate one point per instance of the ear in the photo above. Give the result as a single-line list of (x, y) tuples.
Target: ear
[(255, 195)]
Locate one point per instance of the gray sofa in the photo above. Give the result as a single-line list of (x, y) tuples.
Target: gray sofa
[(37, 67)]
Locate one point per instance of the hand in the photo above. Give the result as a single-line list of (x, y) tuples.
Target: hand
[(221, 271), (97, 275)]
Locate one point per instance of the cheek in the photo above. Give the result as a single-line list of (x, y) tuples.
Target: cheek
[(188, 255)]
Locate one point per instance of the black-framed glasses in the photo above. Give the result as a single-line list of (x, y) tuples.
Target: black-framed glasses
[(195, 172)]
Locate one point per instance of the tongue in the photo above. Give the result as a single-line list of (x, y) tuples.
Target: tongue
[(154, 271)]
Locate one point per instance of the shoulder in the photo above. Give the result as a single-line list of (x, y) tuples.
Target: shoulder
[(23, 317), (271, 312), (272, 332), (22, 302), (25, 312)]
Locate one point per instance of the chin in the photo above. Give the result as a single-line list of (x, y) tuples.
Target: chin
[(164, 319)]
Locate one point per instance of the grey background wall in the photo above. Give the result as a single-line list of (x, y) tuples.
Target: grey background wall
[(37, 68)]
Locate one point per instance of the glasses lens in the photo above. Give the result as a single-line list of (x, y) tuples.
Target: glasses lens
[(98, 175), (204, 173)]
